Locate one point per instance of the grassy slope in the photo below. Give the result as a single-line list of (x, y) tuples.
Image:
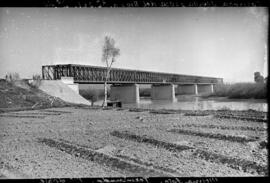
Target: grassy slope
[(22, 95)]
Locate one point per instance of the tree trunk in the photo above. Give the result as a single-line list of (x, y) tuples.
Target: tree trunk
[(105, 84), (105, 89), (105, 94)]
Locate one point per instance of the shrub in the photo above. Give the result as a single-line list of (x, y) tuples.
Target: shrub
[(241, 90), (36, 81), (92, 95), (222, 89), (12, 77)]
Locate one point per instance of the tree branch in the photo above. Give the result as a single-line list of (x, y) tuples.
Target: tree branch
[(108, 70)]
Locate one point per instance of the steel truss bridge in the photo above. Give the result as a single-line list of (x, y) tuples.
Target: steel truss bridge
[(86, 74)]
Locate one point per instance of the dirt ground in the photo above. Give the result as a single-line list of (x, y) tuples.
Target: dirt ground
[(87, 142)]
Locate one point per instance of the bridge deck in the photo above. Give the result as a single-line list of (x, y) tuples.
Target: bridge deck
[(94, 74)]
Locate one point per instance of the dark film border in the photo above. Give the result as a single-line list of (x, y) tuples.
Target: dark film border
[(137, 3), (132, 3)]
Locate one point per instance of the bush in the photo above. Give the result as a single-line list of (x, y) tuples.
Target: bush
[(241, 90), (36, 81), (92, 95), (12, 77)]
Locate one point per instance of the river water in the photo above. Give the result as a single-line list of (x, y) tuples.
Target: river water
[(188, 102)]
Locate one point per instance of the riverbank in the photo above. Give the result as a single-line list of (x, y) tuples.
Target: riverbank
[(226, 99), (96, 142)]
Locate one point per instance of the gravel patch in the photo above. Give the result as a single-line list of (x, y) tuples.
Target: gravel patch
[(103, 159), (239, 139), (56, 111), (22, 116), (148, 140), (242, 128), (244, 118), (36, 113), (236, 163), (197, 113)]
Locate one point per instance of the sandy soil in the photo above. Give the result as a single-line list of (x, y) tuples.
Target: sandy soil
[(84, 142)]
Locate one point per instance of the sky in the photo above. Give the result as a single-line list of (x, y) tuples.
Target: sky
[(228, 42)]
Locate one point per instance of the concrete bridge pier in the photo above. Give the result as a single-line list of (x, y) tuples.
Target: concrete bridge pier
[(205, 88), (163, 92), (126, 93), (187, 89)]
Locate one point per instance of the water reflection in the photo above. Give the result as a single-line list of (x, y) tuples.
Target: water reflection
[(197, 103)]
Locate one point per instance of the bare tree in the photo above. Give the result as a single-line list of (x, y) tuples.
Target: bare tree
[(109, 53)]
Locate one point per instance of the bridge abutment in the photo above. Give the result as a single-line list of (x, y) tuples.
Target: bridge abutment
[(126, 93), (69, 81), (205, 88), (187, 89), (163, 92)]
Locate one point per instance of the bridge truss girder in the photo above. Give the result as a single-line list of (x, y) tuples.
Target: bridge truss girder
[(93, 74)]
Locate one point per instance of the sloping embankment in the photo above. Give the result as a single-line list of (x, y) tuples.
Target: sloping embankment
[(20, 95), (62, 91)]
